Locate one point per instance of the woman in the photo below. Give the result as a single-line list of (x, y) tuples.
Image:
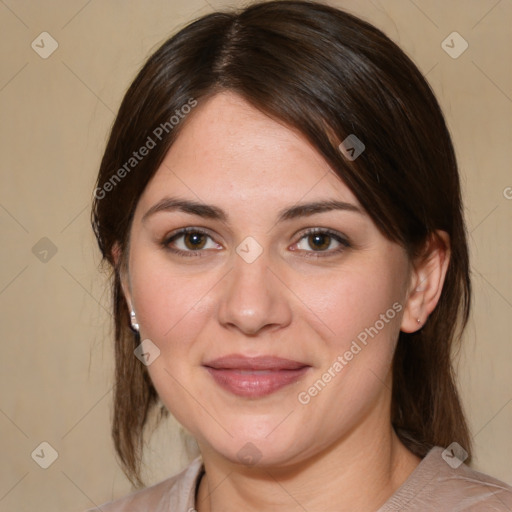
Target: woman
[(279, 201)]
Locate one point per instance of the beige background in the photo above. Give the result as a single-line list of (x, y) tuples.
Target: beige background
[(55, 369)]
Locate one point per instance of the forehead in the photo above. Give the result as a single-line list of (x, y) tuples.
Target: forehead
[(229, 151)]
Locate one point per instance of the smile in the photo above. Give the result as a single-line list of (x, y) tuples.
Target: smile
[(255, 377)]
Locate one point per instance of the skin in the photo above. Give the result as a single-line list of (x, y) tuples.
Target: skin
[(339, 451)]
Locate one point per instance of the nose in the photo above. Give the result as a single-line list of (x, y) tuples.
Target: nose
[(254, 298)]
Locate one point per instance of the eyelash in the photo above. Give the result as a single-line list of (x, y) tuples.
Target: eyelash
[(344, 243)]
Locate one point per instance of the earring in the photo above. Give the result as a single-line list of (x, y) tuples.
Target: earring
[(133, 320), (419, 321)]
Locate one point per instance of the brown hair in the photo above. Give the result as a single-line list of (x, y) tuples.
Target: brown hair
[(327, 74)]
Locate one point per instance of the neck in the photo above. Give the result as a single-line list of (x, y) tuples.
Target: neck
[(357, 475)]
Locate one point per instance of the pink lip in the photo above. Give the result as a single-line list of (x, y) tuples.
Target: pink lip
[(255, 376)]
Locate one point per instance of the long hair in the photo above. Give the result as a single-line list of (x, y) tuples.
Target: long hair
[(329, 75)]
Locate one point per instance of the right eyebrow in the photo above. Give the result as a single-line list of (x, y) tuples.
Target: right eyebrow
[(168, 204)]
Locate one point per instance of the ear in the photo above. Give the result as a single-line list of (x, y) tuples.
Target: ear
[(121, 267), (426, 281)]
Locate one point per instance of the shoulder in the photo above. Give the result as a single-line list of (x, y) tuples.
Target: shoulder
[(175, 493), (441, 482)]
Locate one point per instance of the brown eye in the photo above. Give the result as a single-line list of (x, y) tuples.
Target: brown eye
[(194, 241), (190, 242), (319, 241)]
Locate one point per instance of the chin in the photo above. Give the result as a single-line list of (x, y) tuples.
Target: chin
[(264, 443)]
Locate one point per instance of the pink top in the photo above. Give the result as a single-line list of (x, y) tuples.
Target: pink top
[(433, 486)]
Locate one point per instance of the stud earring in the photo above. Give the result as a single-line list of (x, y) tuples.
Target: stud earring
[(418, 320), (133, 320)]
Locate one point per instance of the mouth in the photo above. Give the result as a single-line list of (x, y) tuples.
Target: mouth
[(255, 377)]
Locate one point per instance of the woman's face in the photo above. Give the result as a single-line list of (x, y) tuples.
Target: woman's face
[(277, 314)]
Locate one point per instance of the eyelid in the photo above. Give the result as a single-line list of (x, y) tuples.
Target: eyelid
[(185, 230), (322, 230)]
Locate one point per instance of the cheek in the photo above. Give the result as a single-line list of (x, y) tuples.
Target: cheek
[(356, 305), (170, 305), (173, 311), (361, 317)]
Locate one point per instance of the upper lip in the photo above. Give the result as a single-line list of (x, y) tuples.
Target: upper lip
[(240, 362)]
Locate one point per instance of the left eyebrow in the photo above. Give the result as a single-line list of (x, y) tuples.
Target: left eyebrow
[(307, 209)]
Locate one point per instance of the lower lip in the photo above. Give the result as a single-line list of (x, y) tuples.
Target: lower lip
[(255, 384)]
